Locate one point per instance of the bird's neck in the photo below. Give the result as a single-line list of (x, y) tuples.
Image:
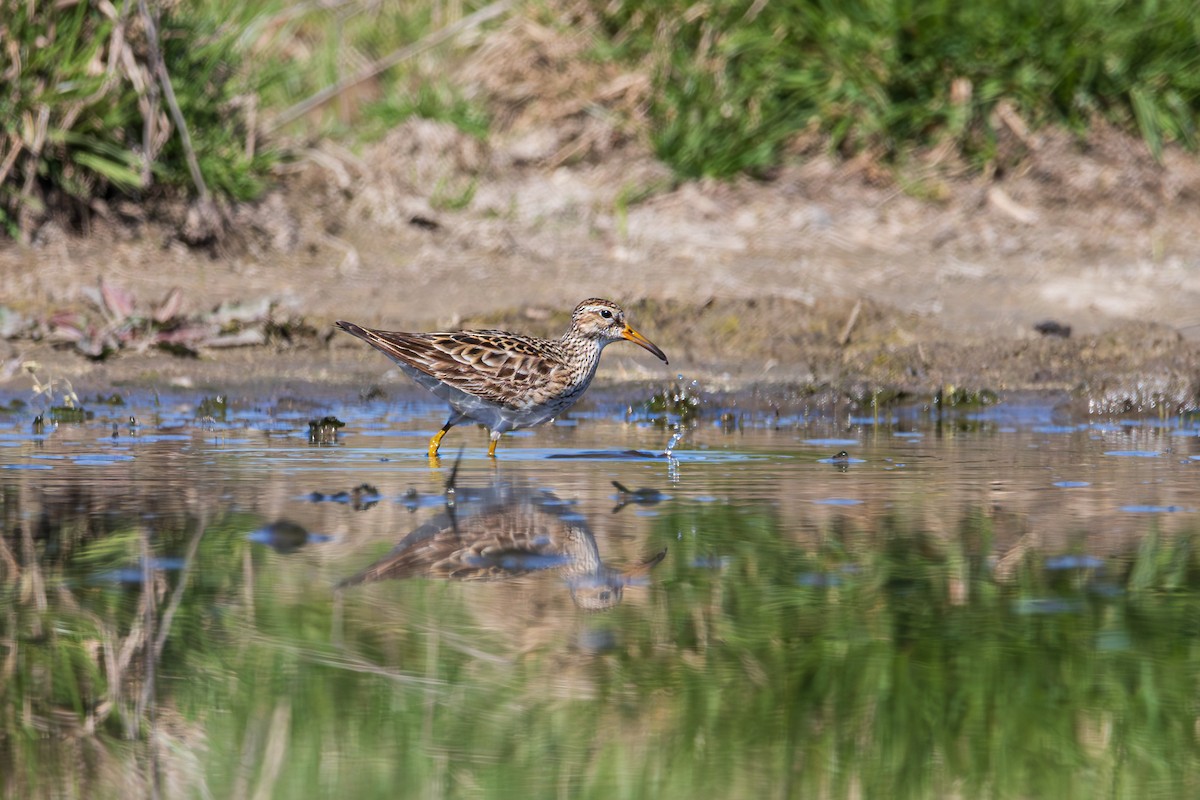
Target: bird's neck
[(582, 351)]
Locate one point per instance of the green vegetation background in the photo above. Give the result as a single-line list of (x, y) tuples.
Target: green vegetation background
[(735, 85)]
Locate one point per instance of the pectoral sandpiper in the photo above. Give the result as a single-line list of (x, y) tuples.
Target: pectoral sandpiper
[(505, 380)]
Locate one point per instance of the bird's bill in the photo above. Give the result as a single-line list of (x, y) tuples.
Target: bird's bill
[(641, 341)]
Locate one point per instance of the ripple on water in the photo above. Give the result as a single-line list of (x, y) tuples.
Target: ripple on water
[(837, 501), (152, 438), (831, 442), (29, 466), (1071, 484), (382, 433), (100, 459), (1134, 453), (1152, 509), (707, 456), (1055, 428)]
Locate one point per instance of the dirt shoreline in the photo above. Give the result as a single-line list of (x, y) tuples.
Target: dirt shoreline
[(827, 280)]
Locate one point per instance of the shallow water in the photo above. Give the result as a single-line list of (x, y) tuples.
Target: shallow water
[(999, 603)]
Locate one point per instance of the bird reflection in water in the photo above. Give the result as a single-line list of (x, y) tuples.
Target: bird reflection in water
[(502, 532)]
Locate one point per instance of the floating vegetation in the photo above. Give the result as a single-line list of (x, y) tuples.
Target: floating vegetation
[(69, 414), (113, 399), (959, 397), (324, 430), (215, 408), (14, 406), (678, 403), (886, 397)]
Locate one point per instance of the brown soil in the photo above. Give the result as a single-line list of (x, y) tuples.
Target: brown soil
[(833, 274)]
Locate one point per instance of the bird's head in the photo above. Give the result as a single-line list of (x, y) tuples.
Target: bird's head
[(604, 321)]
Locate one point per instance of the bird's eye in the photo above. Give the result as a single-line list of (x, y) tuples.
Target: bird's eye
[(606, 313)]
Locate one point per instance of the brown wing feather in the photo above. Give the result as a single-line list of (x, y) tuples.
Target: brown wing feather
[(498, 367)]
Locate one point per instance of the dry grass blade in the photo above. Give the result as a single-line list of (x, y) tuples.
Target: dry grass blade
[(164, 80), (177, 596), (467, 23), (10, 158), (347, 661)]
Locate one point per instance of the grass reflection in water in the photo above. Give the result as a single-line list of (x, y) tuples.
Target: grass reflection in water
[(896, 668)]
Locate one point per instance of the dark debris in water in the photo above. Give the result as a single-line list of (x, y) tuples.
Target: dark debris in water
[(324, 430), (285, 536), (608, 454), (360, 498), (644, 496)]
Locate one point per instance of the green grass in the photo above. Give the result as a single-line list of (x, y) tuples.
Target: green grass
[(736, 82), (737, 86), (74, 112), (299, 49), (427, 101), (78, 94)]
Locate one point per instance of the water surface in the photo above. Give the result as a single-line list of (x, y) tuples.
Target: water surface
[(998, 603)]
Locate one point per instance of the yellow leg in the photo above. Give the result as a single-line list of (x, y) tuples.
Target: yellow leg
[(492, 447), (436, 442)]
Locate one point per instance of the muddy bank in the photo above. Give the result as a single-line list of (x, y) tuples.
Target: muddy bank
[(784, 352), (832, 279)]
